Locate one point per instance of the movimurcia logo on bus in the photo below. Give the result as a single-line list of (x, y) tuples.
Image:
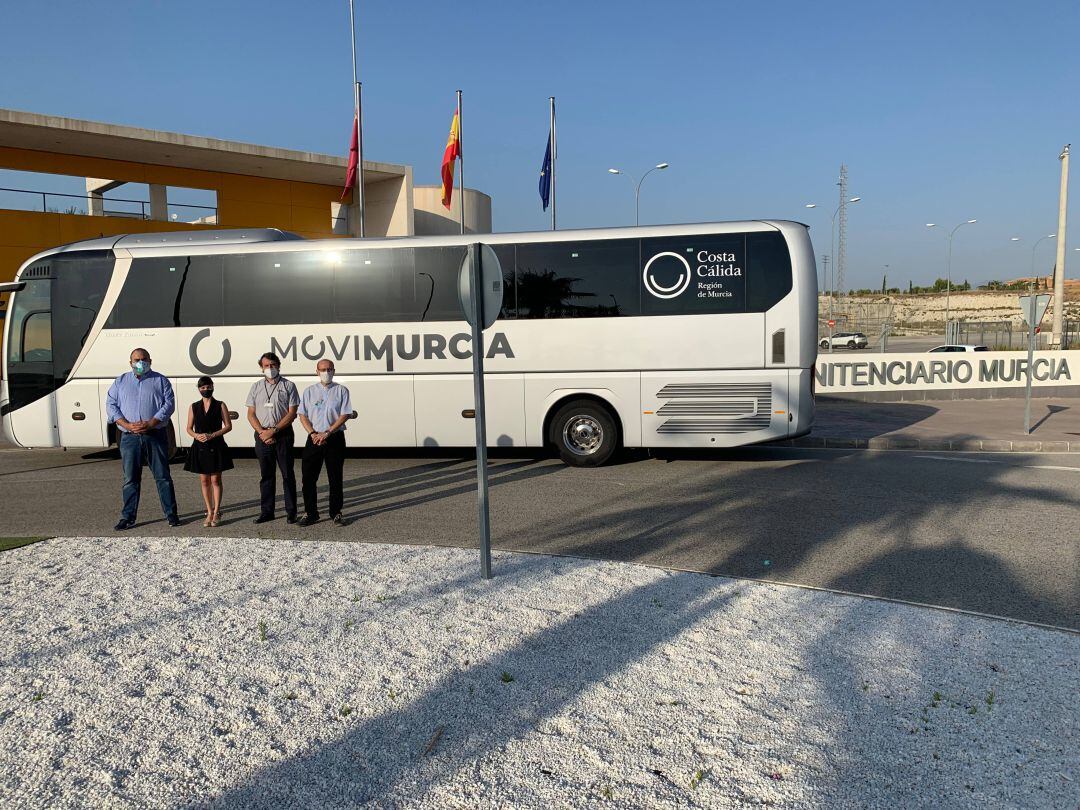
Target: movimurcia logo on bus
[(207, 368)]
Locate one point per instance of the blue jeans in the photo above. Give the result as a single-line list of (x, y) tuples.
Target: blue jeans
[(135, 450)]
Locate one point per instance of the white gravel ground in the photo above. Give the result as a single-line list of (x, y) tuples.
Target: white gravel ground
[(262, 673)]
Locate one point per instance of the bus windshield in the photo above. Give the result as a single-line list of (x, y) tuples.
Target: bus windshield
[(51, 319)]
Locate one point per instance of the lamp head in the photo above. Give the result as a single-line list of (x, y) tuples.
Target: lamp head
[(662, 165), (614, 171)]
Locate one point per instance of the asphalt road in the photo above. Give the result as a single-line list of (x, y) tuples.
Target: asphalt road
[(997, 534)]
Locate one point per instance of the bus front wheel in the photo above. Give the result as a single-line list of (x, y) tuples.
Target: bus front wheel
[(584, 433)]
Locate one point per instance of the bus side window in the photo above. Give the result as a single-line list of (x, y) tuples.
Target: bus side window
[(279, 287), (768, 270), (588, 279), (170, 291), (35, 338)]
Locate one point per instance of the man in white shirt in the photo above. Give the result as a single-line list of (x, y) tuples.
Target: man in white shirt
[(324, 409)]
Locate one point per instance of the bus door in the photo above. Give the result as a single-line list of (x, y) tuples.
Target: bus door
[(441, 400), (80, 413), (29, 409)]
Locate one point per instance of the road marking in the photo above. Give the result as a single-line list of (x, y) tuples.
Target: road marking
[(997, 461), (967, 460)]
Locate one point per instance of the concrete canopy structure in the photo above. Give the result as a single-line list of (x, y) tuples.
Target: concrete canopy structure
[(252, 186)]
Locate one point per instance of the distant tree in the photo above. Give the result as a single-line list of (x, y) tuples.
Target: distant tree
[(883, 285), (910, 287)]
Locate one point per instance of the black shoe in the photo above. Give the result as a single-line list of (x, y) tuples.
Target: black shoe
[(308, 520), (338, 520), (174, 521), (263, 519), (290, 518), (123, 525)]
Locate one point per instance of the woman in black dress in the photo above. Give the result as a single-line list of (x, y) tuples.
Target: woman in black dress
[(207, 423)]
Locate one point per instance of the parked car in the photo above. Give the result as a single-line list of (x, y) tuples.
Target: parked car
[(850, 340), (960, 347)]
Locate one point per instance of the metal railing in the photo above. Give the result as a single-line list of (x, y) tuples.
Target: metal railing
[(83, 210), (1005, 335)]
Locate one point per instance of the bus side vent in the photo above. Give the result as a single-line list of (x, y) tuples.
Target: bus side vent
[(715, 407), (778, 346), (37, 271)]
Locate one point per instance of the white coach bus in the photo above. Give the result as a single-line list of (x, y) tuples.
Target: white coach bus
[(672, 336)]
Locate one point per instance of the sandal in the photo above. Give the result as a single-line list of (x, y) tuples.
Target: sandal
[(207, 521), (214, 519)]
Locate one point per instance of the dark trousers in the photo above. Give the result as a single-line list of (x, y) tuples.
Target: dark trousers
[(332, 452), (137, 449), (273, 457)]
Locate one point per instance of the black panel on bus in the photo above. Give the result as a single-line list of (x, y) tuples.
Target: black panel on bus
[(711, 273)]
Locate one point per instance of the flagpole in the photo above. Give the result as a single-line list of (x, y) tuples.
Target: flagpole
[(553, 155), (461, 165), (358, 192)]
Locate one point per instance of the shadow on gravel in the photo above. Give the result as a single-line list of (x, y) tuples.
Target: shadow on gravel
[(615, 634), (212, 602), (478, 710)]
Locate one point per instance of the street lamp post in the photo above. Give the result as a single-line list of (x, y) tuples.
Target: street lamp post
[(1041, 238), (948, 270), (637, 187)]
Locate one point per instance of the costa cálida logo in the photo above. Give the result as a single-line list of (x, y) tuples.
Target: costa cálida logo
[(668, 274)]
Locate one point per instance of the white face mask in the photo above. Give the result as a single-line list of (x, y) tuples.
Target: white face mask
[(326, 376), (271, 372)]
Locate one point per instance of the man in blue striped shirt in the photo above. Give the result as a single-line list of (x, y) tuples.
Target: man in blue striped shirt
[(140, 403)]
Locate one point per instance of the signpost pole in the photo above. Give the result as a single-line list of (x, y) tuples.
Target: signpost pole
[(1031, 351), (481, 415)]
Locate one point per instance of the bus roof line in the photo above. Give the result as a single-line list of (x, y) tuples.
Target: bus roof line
[(455, 240), (223, 236)]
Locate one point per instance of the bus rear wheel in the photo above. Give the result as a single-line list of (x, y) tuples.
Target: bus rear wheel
[(584, 433)]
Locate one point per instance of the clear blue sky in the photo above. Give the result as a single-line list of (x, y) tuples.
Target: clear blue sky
[(943, 111)]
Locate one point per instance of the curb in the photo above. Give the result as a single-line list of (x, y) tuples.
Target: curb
[(957, 445)]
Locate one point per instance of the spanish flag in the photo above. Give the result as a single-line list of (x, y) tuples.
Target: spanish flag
[(452, 153)]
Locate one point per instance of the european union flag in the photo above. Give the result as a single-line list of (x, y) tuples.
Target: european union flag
[(545, 177)]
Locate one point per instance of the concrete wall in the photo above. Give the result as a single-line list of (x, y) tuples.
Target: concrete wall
[(945, 375), (433, 219)]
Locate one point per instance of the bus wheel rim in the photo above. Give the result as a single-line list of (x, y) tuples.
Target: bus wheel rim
[(583, 435)]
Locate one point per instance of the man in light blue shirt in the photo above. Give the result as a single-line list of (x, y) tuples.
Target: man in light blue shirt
[(324, 409), (140, 403)]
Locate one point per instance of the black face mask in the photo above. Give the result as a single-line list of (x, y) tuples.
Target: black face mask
[(206, 392)]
